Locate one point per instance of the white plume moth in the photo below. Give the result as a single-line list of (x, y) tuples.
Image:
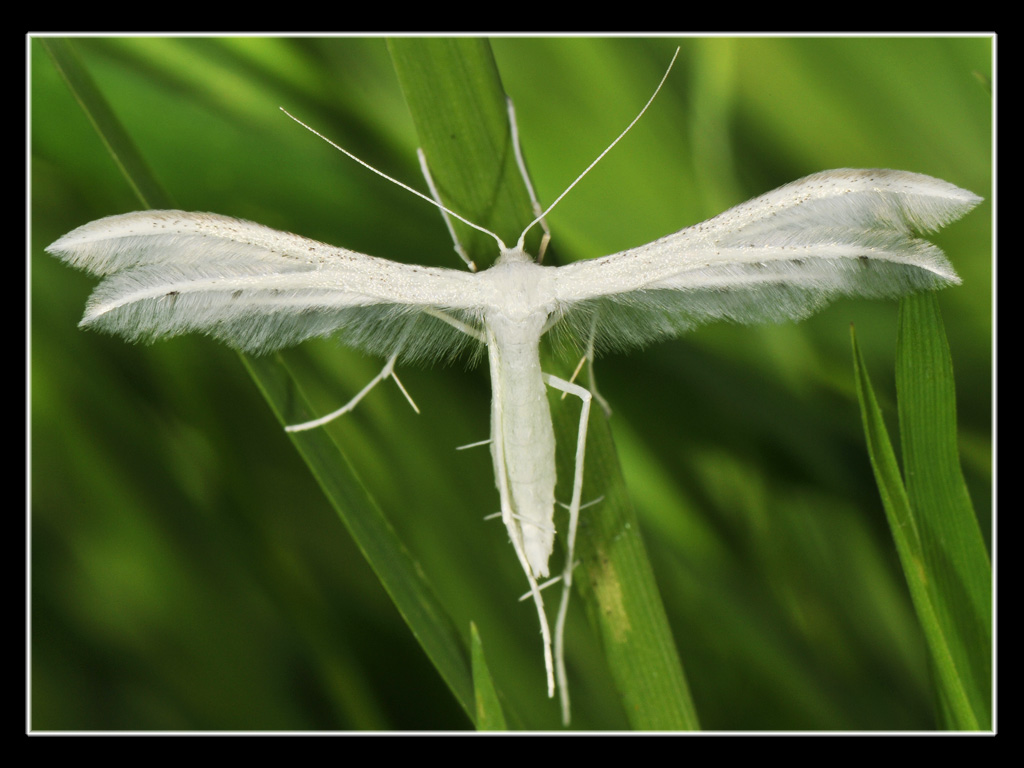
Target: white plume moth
[(780, 256)]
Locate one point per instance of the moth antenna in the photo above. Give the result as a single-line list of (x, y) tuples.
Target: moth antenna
[(522, 237), (404, 186)]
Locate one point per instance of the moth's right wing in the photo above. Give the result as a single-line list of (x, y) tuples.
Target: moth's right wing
[(780, 256), (259, 289)]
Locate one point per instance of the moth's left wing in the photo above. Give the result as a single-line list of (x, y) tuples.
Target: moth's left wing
[(258, 289), (780, 256)]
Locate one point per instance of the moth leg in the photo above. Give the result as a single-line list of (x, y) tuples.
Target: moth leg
[(477, 444), (591, 378), (542, 586), (444, 214), (588, 360), (574, 517), (538, 210), (387, 370), (454, 322)]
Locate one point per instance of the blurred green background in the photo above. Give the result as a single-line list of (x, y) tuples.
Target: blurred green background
[(186, 571)]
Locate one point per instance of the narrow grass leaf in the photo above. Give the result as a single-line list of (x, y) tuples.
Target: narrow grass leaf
[(621, 596), (954, 554), (907, 524), (455, 97), (898, 511), (489, 716), (122, 149), (887, 472)]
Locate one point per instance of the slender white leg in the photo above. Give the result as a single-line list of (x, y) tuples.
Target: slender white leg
[(537, 209), (387, 370), (574, 516), (457, 324), (588, 359), (444, 214), (477, 444), (542, 586), (593, 387)]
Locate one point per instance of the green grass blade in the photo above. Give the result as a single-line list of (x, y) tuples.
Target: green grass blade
[(122, 149), (489, 716), (898, 512), (617, 583), (887, 475), (953, 550), (458, 105), (454, 93), (935, 532)]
